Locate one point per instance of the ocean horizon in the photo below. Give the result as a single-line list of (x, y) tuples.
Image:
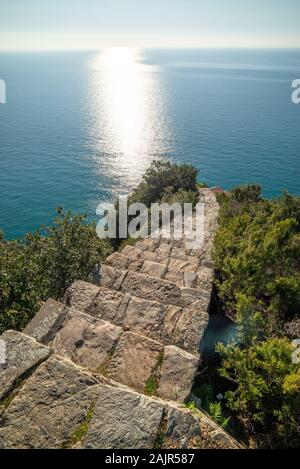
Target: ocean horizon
[(80, 128)]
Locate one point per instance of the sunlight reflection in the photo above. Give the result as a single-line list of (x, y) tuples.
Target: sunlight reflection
[(128, 110)]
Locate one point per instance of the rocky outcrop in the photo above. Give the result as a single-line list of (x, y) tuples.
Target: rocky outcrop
[(177, 372), (49, 407), (134, 424), (112, 366), (23, 354), (85, 340), (47, 321)]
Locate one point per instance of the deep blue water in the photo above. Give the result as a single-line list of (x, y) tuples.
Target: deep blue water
[(80, 128)]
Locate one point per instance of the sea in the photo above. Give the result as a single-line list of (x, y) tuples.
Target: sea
[(80, 128)]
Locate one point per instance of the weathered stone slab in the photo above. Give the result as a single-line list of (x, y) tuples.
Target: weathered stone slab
[(50, 406), (205, 277), (107, 305), (118, 260), (144, 317), (182, 429), (132, 252), (175, 277), (177, 243), (151, 288), (112, 277), (177, 374), (81, 295), (193, 262), (123, 420), (190, 279), (154, 269), (153, 257), (214, 437), (102, 303), (178, 253), (178, 265), (192, 295), (85, 340), (134, 360), (23, 353), (47, 321), (136, 265), (146, 245), (163, 249), (170, 320), (190, 327)]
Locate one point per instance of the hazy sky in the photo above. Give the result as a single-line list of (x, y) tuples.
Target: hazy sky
[(52, 24)]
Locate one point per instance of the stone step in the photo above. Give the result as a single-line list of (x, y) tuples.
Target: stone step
[(134, 360), (161, 250), (147, 423), (61, 405), (23, 354), (49, 406), (168, 324), (164, 250), (162, 253), (103, 370), (153, 288), (182, 273)]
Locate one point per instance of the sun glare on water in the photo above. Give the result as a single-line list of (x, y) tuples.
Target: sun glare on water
[(127, 106)]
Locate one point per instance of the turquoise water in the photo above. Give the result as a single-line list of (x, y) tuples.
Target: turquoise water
[(81, 128)]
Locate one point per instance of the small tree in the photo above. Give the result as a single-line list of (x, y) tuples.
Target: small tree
[(164, 176), (44, 265), (267, 390)]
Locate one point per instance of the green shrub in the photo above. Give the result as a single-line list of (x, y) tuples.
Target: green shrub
[(164, 177), (44, 264), (257, 258), (182, 196), (257, 255), (163, 182), (267, 390)]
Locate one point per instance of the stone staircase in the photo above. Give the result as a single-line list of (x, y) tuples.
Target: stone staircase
[(112, 365)]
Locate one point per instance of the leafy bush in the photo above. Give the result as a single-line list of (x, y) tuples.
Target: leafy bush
[(44, 264), (163, 182), (182, 196), (267, 393), (164, 178), (257, 255)]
